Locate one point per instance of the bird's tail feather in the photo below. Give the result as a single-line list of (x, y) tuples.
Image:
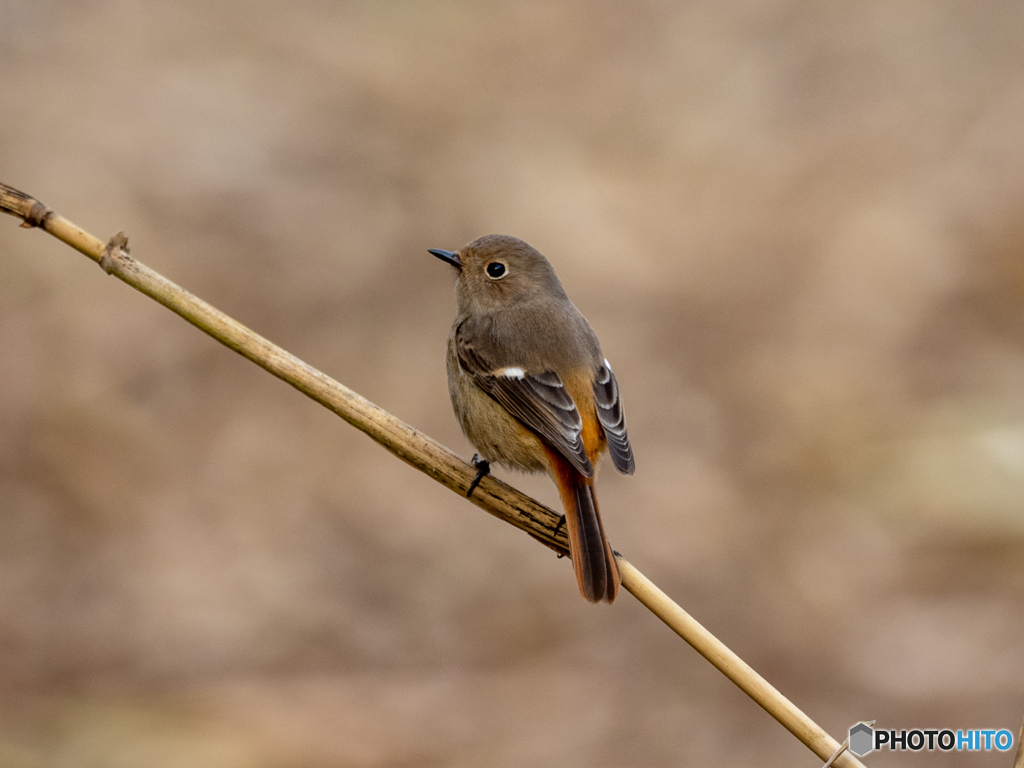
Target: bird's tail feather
[(597, 574)]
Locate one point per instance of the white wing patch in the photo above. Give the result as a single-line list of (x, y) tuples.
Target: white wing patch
[(510, 372)]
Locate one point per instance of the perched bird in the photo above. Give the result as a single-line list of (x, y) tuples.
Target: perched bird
[(532, 390)]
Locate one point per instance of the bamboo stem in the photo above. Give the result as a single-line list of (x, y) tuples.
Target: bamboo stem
[(420, 451)]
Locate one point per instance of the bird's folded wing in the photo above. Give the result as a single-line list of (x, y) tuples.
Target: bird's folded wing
[(609, 413), (537, 399)]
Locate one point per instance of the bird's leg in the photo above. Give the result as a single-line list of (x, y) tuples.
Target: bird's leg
[(483, 468), (554, 535)]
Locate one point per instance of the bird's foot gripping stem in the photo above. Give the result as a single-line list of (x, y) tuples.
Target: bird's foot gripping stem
[(483, 468)]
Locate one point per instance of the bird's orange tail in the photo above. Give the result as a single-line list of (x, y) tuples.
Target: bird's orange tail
[(597, 573)]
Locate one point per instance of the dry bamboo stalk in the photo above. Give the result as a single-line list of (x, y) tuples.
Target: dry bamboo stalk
[(420, 451), (842, 748)]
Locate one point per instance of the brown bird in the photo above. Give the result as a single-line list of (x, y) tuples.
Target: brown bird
[(532, 390)]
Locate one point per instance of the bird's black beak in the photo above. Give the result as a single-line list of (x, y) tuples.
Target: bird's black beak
[(449, 256)]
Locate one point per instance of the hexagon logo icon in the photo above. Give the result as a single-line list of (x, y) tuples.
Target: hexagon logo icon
[(862, 739)]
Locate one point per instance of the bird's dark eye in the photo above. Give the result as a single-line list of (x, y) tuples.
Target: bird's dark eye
[(496, 270)]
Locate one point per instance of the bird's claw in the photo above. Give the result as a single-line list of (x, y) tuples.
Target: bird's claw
[(483, 468)]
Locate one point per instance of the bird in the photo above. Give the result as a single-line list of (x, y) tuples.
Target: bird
[(532, 390)]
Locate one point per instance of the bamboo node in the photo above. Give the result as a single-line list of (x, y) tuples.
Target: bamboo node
[(116, 246), (37, 215)]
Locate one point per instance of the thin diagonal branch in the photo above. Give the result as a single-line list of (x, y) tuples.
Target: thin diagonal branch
[(417, 449)]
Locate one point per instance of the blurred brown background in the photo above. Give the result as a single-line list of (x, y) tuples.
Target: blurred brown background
[(795, 226)]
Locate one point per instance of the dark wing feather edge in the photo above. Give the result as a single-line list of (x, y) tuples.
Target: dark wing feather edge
[(613, 421)]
